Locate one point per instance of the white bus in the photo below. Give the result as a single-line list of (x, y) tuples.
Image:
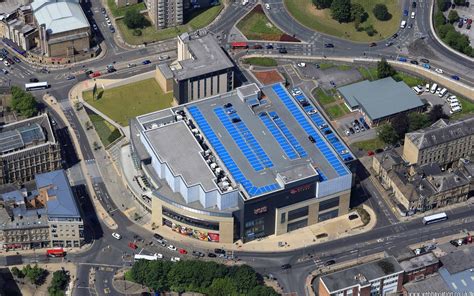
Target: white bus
[(148, 257), (36, 85), (435, 218)]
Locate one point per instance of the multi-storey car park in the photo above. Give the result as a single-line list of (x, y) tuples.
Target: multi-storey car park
[(242, 165)]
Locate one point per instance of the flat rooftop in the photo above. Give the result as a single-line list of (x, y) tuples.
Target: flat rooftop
[(380, 98), (258, 141), (207, 55)]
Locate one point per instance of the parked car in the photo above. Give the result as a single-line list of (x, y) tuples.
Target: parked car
[(267, 6), (146, 62), (211, 255), (301, 65), (401, 59), (370, 153), (183, 251), (413, 4), (198, 254), (172, 248), (95, 74), (5, 71), (163, 57), (426, 61), (438, 70), (414, 62), (34, 79), (427, 66), (455, 77), (175, 259)]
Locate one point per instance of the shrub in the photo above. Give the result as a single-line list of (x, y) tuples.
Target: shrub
[(381, 12), (137, 32), (135, 20), (341, 10)]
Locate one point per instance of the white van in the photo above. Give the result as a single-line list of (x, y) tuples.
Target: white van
[(455, 110), (454, 104), (245, 2), (427, 87), (417, 90), (451, 98), (403, 24), (434, 87), (443, 92)]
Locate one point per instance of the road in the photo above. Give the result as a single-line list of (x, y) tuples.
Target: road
[(106, 254)]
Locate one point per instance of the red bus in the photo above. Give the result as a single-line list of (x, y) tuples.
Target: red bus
[(239, 45), (55, 252)]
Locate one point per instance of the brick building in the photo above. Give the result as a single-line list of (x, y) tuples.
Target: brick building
[(419, 267)]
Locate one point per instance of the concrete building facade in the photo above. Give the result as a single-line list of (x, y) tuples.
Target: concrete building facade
[(193, 75), (166, 13), (44, 216), (27, 148)]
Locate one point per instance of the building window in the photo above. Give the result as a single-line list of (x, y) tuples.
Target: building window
[(282, 218), (297, 225), (328, 215), (190, 221), (329, 204), (297, 213)]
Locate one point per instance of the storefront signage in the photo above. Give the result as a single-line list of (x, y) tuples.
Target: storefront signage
[(261, 210), (194, 233), (300, 189)]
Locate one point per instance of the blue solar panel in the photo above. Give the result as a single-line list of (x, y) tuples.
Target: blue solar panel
[(242, 136), (301, 119), (288, 134), (225, 156), (282, 141), (323, 177)]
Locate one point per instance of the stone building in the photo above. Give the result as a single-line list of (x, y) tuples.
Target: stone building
[(165, 13), (17, 24), (27, 147), (44, 216), (64, 31)]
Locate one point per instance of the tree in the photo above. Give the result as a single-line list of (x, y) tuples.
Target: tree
[(400, 125), (358, 13), (387, 134), (381, 12), (245, 278), (135, 20), (58, 283), (444, 5), (322, 4), (341, 10), (439, 19), (222, 287), (23, 102), (453, 16), (262, 291), (417, 121), (436, 113), (35, 274), (17, 272), (384, 69)]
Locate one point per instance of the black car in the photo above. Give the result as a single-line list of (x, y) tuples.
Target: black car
[(329, 262), (10, 61), (88, 72), (282, 50), (413, 4), (379, 150), (394, 35), (219, 251), (414, 62), (285, 266), (33, 79), (329, 45), (211, 255), (157, 236), (426, 61)]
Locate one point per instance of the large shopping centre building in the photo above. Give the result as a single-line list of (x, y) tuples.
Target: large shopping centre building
[(246, 164)]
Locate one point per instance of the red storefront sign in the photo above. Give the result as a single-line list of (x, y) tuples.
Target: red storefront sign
[(300, 189)]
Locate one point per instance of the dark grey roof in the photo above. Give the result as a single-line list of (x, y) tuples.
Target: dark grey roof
[(432, 283), (418, 262), (459, 260), (462, 281), (361, 274), (63, 205), (208, 57), (166, 71), (380, 98), (441, 132), (389, 159)]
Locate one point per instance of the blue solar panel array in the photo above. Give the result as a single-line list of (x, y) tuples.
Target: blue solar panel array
[(282, 141), (244, 138), (301, 119), (321, 175), (288, 134), (235, 171), (318, 119)]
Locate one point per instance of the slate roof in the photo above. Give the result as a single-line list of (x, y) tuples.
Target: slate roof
[(441, 132), (60, 15), (380, 98)]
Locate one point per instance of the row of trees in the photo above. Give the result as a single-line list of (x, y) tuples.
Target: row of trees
[(58, 283), (447, 32), (391, 133), (210, 278), (34, 274), (23, 102)]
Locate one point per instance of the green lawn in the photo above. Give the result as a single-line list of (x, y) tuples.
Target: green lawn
[(257, 61), (369, 73), (120, 11), (409, 79), (107, 132), (197, 20), (320, 20), (324, 66), (256, 26), (367, 145), (335, 111), (344, 67), (125, 102), (323, 97)]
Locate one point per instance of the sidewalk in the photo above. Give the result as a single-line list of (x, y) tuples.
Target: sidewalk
[(42, 251), (101, 212)]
